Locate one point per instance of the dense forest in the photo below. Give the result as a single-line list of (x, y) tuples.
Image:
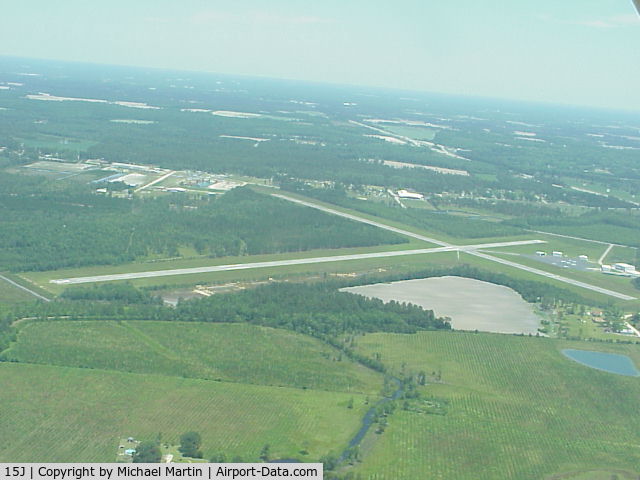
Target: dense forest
[(44, 227)]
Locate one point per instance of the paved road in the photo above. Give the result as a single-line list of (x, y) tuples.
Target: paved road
[(35, 294)]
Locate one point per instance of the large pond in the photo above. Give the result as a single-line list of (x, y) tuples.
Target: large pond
[(471, 304), (608, 362)]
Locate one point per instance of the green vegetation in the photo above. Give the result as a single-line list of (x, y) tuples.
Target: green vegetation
[(44, 229), (416, 133), (613, 227), (515, 405), (147, 452), (10, 294), (116, 292), (285, 369), (453, 226), (231, 352), (67, 414), (190, 443)]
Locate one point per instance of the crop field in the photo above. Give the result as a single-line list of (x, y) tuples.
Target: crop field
[(229, 352), (517, 408), (60, 414)]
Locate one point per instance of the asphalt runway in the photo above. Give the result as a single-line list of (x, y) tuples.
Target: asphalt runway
[(444, 247)]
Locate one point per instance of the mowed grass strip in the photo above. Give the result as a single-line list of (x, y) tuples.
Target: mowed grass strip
[(60, 414), (517, 409), (235, 352)]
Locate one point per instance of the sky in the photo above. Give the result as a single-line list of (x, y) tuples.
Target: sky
[(579, 52)]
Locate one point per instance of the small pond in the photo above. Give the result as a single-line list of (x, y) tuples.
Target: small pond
[(607, 362)]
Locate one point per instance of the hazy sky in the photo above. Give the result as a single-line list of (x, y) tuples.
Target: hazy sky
[(584, 52)]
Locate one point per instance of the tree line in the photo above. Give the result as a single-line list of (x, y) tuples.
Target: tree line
[(45, 227)]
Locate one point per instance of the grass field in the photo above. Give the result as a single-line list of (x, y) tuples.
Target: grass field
[(291, 271), (230, 352), (569, 246), (60, 414), (518, 409), (10, 294), (42, 278)]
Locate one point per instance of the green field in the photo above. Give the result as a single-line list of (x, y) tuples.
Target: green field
[(9, 294), (60, 414), (229, 352), (517, 409), (411, 262), (569, 246)]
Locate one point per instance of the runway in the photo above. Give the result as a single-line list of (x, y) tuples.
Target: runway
[(443, 247)]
